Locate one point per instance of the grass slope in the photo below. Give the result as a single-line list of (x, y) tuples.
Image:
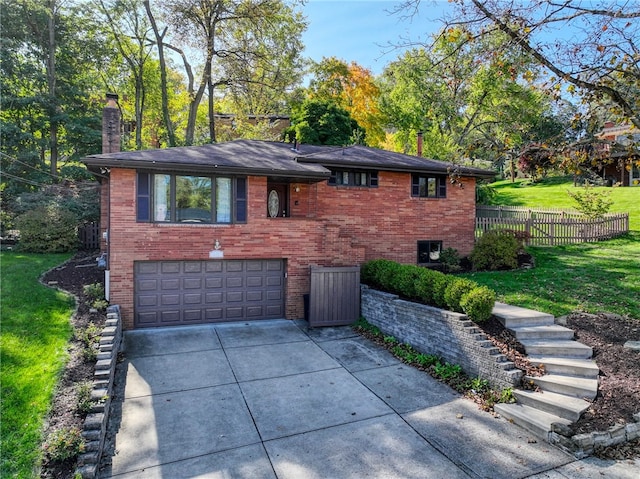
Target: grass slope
[(592, 277), (35, 332), (552, 193)]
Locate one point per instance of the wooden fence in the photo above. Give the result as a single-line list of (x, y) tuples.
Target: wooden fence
[(89, 236), (550, 227), (334, 298)]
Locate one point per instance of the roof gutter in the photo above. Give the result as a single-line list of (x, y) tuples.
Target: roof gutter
[(217, 169)]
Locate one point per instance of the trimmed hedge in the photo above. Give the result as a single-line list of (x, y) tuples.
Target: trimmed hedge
[(430, 287)]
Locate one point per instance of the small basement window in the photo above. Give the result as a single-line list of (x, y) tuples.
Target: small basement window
[(429, 251)]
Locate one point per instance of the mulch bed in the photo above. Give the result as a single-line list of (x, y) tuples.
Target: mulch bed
[(72, 277)]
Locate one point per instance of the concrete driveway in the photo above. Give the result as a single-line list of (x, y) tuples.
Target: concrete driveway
[(274, 399)]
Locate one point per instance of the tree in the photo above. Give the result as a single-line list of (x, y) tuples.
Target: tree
[(268, 64), (469, 100), (130, 30), (51, 98), (353, 88), (227, 34), (164, 89), (599, 59), (321, 122)]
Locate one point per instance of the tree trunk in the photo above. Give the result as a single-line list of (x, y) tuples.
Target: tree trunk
[(140, 94), (163, 75), (212, 121), (51, 83)]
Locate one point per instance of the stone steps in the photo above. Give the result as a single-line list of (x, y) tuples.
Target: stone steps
[(532, 419), (557, 348), (571, 379), (553, 403), (582, 368), (514, 316), (553, 331), (567, 385)]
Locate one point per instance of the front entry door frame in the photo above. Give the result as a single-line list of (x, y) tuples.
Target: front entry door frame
[(277, 199)]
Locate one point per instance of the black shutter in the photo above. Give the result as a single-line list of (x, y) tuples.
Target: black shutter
[(415, 185), (241, 200), (373, 179), (143, 206), (442, 187)]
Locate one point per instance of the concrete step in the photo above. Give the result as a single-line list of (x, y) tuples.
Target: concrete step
[(582, 368), (552, 331), (566, 407), (557, 348), (570, 386), (514, 316), (533, 420)]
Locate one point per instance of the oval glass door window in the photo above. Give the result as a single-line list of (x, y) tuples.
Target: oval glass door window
[(273, 204)]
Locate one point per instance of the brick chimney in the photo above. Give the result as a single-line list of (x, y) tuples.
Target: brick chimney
[(419, 144), (111, 125)]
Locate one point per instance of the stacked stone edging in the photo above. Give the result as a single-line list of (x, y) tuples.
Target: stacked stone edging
[(584, 445), (449, 335), (95, 424)]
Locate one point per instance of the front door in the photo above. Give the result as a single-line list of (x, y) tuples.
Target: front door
[(277, 200)]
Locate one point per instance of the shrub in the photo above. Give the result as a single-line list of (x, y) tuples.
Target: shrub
[(94, 290), (47, 230), (478, 303), (83, 396), (376, 272), (593, 203), (495, 250), (425, 285), (431, 287), (64, 443), (440, 283), (450, 260), (407, 280), (81, 198), (485, 194), (100, 304), (454, 292)]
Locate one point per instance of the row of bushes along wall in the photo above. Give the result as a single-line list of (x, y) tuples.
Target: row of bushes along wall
[(430, 287)]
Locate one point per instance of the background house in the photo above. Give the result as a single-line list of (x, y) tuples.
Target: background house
[(621, 150), (229, 231)]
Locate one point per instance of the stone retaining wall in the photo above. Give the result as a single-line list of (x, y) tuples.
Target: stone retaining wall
[(451, 336), (95, 424)]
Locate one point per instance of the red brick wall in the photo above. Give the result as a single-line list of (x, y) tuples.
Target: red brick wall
[(388, 221), (328, 226)]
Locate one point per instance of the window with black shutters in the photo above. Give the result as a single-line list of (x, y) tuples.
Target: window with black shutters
[(174, 198), (428, 186)]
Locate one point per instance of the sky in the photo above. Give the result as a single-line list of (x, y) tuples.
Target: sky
[(359, 30)]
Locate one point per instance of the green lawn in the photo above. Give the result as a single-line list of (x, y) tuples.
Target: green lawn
[(552, 193), (35, 333), (593, 277)]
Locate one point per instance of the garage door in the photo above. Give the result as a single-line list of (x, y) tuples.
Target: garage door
[(169, 293)]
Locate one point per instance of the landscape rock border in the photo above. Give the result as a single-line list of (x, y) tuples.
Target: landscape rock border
[(95, 424), (584, 445)]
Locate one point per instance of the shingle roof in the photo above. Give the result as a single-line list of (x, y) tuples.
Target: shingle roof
[(266, 158), (234, 157), (358, 156)]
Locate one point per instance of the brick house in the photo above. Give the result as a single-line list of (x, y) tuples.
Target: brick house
[(228, 231), (620, 149)]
